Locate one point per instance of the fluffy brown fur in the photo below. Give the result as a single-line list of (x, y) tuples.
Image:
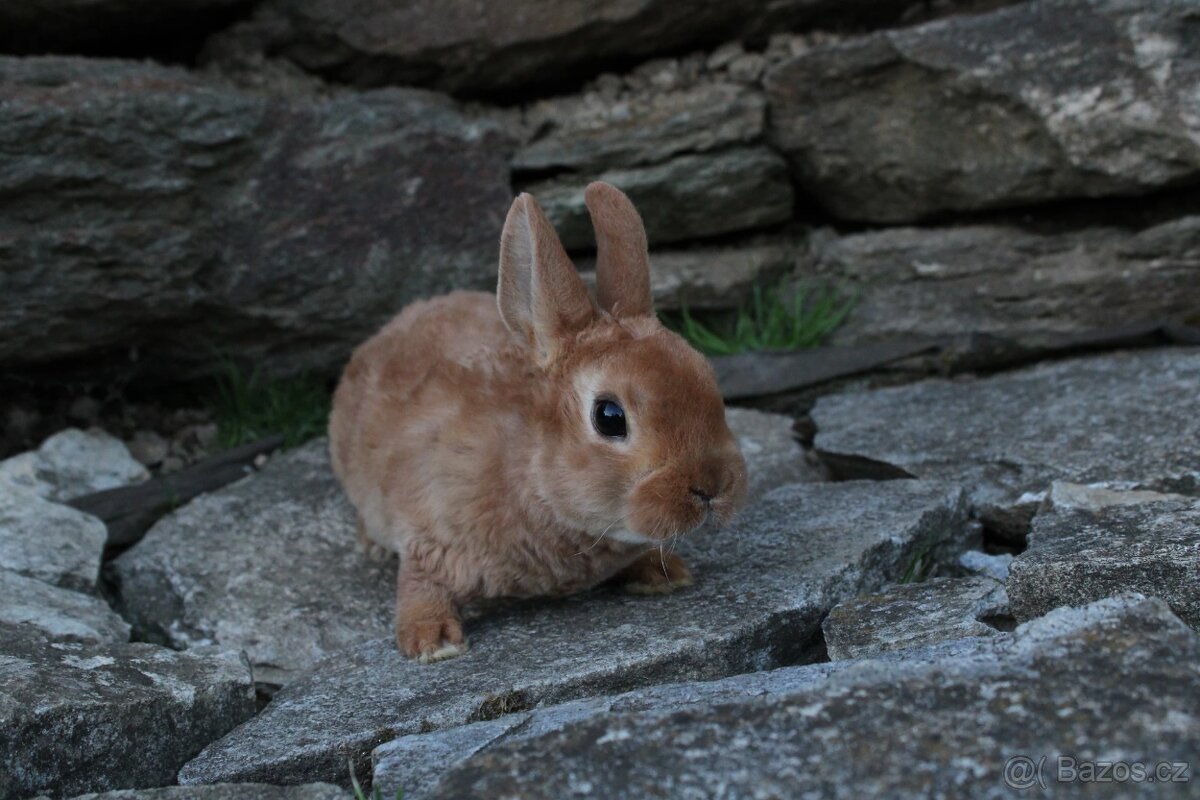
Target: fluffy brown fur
[(462, 432)]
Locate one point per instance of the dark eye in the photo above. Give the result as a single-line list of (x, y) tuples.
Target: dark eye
[(609, 419)]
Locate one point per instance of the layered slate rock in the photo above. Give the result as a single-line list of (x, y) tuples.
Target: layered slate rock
[(1128, 420), (914, 614), (1117, 680), (703, 277), (286, 583), (687, 197), (281, 227), (47, 541), (1007, 281), (471, 48), (416, 763), (1081, 551), (56, 613), (72, 463), (1031, 102), (762, 587), (83, 718), (227, 791), (594, 132)]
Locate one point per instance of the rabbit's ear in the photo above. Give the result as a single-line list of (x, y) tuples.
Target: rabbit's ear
[(541, 297), (622, 263)]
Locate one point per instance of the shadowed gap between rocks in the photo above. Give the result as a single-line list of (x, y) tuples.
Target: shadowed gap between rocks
[(170, 35)]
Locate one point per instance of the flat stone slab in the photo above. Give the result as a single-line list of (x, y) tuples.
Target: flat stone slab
[(83, 718), (72, 463), (1127, 420), (913, 614), (285, 582), (762, 587), (1107, 544), (56, 613), (48, 541), (1116, 681), (227, 791)]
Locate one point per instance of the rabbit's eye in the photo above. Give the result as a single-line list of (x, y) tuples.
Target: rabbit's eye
[(609, 419)]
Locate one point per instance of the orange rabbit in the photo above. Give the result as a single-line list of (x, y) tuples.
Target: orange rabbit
[(537, 445)]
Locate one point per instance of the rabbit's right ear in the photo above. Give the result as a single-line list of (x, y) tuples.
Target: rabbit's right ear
[(541, 297)]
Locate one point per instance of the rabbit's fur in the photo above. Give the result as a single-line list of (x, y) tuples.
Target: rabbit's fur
[(464, 432)]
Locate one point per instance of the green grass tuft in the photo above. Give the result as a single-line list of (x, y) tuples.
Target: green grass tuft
[(783, 317), (248, 407)]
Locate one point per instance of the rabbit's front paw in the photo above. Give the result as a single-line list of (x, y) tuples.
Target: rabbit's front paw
[(656, 572), (430, 640)]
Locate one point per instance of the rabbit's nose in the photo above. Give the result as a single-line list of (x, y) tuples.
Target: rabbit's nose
[(704, 496)]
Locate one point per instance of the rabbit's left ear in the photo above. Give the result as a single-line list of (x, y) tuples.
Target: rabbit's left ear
[(540, 295), (622, 260)]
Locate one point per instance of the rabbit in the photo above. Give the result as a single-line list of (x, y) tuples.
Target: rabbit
[(537, 442)]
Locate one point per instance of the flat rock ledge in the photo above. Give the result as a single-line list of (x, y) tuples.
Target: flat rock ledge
[(286, 584), (59, 614), (913, 614), (83, 718), (1116, 680), (762, 587), (1127, 420), (1092, 543), (226, 791)]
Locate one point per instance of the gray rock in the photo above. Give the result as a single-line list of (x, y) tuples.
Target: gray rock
[(227, 791), (267, 565), (1116, 681), (773, 455), (710, 277), (1080, 554), (467, 47), (1006, 281), (84, 718), (989, 565), (285, 583), (1127, 420), (1031, 102), (688, 197), (913, 614), (72, 463), (416, 763), (34, 26), (47, 541), (762, 587), (591, 132), (58, 614), (280, 228)]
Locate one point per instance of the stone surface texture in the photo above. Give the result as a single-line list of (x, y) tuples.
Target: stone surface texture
[(154, 208), (1031, 102), (289, 586), (688, 197), (718, 277), (77, 718), (762, 587), (72, 463), (56, 613), (1127, 420), (1005, 280), (47, 541), (593, 132), (1117, 680), (465, 47), (227, 791), (913, 614), (1086, 551)]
